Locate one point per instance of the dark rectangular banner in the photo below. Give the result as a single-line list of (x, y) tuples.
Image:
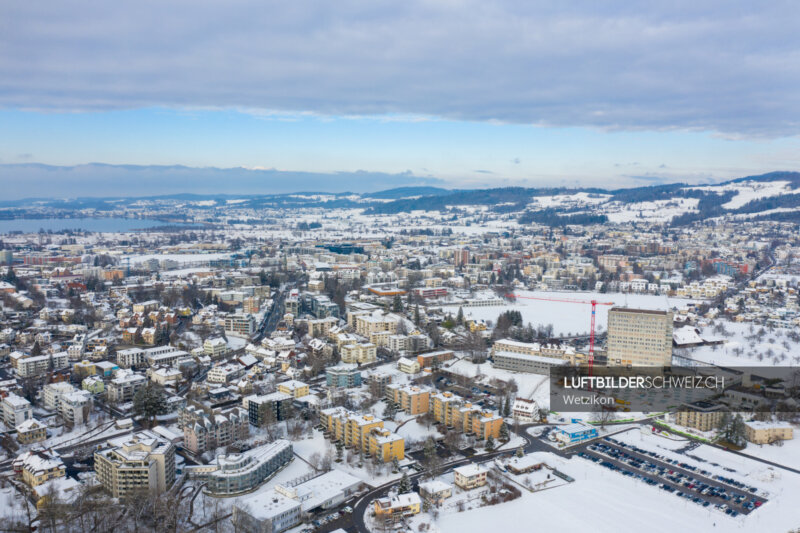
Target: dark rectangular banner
[(659, 389)]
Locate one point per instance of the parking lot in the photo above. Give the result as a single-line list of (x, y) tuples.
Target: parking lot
[(681, 479)]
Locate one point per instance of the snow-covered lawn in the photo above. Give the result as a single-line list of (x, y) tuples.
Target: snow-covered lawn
[(786, 454), (745, 345), (569, 317), (604, 501)]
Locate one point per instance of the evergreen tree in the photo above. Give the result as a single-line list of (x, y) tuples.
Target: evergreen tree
[(431, 459), (339, 451), (504, 433), (395, 465), (390, 410), (405, 484), (520, 452), (460, 317), (416, 315), (149, 402), (490, 444), (397, 304), (507, 408), (737, 436)]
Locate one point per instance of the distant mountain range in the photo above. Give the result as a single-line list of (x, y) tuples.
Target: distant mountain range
[(771, 196)]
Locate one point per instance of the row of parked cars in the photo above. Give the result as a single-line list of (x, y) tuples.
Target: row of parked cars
[(697, 490), (686, 466)]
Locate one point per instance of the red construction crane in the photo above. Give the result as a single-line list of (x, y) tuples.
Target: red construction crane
[(593, 303)]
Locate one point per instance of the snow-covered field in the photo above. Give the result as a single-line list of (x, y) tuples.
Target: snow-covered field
[(655, 211), (746, 345), (569, 317), (604, 501), (787, 453)]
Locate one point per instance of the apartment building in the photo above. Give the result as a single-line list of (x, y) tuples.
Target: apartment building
[(411, 399), (378, 382), (361, 352), (703, 416), (215, 348), (433, 359), (362, 432), (132, 357), (639, 337), (205, 429), (16, 410), (41, 364), (759, 432), (343, 376), (320, 327), (124, 385), (267, 408), (133, 463), (240, 324), (294, 388), (376, 322), (408, 366), (52, 393), (452, 411), (225, 373)]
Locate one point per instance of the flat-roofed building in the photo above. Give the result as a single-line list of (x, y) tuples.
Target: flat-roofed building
[(360, 352), (759, 432), (143, 461), (703, 416), (238, 473), (639, 337)]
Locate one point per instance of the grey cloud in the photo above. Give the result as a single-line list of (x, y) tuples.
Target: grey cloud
[(482, 171), (731, 67)]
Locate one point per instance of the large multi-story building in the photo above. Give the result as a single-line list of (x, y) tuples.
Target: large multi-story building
[(132, 357), (205, 430), (238, 473), (343, 376), (124, 386), (376, 322), (639, 337), (362, 432), (41, 364), (143, 461), (700, 415), (240, 324), (412, 399), (267, 408), (16, 410), (464, 417), (320, 327)]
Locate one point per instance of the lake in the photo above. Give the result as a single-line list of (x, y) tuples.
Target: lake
[(33, 225)]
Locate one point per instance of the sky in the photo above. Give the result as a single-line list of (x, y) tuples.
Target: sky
[(355, 95)]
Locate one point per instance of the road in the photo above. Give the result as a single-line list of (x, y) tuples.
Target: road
[(360, 508)]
